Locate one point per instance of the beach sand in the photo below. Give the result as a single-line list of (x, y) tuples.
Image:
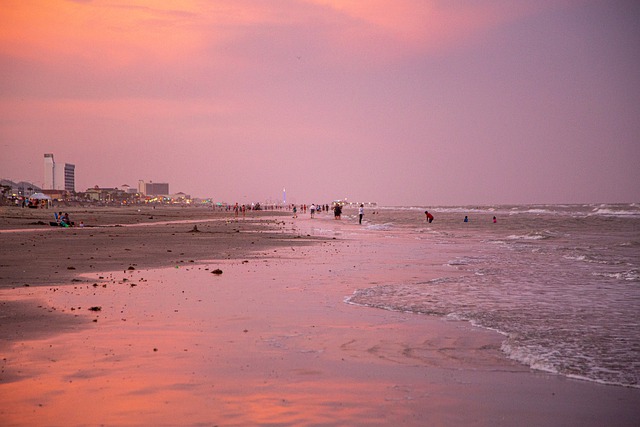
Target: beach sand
[(270, 341)]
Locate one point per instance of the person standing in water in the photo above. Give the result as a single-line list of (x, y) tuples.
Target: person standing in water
[(360, 213), (466, 218), (337, 211), (429, 216)]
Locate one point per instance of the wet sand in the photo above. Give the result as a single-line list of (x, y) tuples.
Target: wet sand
[(269, 341)]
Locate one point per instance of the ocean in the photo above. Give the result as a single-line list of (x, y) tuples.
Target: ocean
[(560, 282)]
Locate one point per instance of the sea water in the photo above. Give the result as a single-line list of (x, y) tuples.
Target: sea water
[(562, 283)]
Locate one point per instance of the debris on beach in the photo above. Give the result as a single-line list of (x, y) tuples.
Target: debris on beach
[(71, 268), (95, 308), (217, 271)]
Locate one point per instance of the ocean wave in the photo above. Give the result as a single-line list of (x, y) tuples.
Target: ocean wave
[(463, 261), (385, 226), (534, 236), (630, 210), (463, 209), (551, 361), (630, 275), (538, 211), (615, 212), (527, 357), (592, 260)]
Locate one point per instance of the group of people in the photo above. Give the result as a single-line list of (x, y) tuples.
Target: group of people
[(337, 210), (466, 217), (63, 220), (313, 208), (237, 209)]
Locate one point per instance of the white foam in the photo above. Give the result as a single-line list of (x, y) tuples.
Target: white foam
[(526, 237), (631, 275), (385, 226), (613, 212)]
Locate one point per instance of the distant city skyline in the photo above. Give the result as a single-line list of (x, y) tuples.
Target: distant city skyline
[(406, 102)]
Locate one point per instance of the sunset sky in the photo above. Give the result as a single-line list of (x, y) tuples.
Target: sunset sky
[(403, 102)]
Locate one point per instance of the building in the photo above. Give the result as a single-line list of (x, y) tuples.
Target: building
[(49, 172), (108, 195), (56, 177), (69, 177), (153, 188)]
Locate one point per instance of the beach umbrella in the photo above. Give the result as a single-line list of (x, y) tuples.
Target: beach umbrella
[(39, 196)]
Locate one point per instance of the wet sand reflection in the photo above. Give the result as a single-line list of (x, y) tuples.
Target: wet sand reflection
[(253, 346)]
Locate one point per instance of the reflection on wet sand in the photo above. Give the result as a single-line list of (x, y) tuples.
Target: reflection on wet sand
[(185, 347)]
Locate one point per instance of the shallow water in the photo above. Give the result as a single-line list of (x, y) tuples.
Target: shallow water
[(562, 283)]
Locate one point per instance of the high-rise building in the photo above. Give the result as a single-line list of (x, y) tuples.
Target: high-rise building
[(49, 172), (69, 177), (56, 178)]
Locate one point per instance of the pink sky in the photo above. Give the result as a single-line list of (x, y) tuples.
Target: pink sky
[(403, 102)]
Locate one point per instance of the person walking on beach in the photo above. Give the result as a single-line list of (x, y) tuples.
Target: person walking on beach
[(295, 211), (312, 208), (429, 216), (360, 213), (466, 218), (494, 220)]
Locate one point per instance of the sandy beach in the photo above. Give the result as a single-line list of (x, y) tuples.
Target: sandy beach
[(34, 253), (124, 322)]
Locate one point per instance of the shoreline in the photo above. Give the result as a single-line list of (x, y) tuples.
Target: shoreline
[(272, 340)]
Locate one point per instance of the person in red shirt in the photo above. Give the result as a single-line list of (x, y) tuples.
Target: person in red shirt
[(429, 216)]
